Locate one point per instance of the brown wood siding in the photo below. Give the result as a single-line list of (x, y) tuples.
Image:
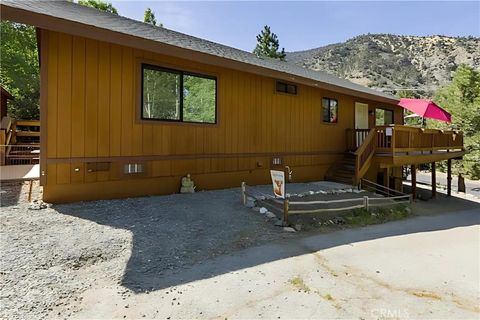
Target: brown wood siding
[(92, 112)]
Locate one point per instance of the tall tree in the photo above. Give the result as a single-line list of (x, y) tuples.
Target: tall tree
[(19, 69), (462, 99), (268, 45), (149, 17), (100, 5)]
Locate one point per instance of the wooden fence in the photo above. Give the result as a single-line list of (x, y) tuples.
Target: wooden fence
[(287, 207)]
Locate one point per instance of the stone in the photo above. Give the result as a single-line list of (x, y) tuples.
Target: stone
[(339, 220), (263, 210), (298, 227), (256, 209), (250, 202), (279, 223), (38, 205), (270, 215), (289, 229)]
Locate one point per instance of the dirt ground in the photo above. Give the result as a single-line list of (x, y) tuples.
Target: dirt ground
[(206, 256)]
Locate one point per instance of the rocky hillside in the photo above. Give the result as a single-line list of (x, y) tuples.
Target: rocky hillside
[(393, 62)]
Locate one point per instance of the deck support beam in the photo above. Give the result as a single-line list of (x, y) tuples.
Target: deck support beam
[(449, 177), (386, 179), (434, 180), (413, 170)]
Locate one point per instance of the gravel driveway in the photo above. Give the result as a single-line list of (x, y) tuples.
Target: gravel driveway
[(50, 256)]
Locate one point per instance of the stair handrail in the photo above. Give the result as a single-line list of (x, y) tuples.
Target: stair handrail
[(364, 155)]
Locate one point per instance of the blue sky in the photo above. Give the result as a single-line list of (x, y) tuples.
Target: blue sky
[(305, 25)]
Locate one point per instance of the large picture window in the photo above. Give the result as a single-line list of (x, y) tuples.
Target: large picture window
[(173, 95), (330, 110)]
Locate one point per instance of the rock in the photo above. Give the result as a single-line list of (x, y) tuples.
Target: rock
[(270, 215), (38, 205), (298, 227), (263, 210), (339, 220), (288, 229), (256, 209), (250, 202), (279, 223)]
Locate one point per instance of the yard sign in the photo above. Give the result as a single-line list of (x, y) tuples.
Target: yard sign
[(278, 181)]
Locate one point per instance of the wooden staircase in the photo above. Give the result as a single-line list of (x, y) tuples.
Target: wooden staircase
[(343, 171), (356, 161), (19, 142)]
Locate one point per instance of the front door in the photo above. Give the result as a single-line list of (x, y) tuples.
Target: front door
[(361, 122)]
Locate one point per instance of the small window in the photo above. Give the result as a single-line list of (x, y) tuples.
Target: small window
[(284, 87), (383, 117), (173, 95), (330, 110)]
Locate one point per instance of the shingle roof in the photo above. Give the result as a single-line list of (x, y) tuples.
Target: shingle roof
[(99, 19)]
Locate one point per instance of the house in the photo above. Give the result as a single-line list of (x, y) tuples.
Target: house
[(127, 109)]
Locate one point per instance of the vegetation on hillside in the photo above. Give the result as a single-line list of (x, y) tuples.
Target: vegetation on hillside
[(418, 65), (268, 45)]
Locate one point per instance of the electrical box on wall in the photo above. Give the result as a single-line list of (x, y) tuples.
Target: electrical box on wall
[(130, 168)]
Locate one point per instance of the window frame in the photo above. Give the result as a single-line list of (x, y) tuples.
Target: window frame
[(385, 110), (329, 110), (287, 84), (181, 73)]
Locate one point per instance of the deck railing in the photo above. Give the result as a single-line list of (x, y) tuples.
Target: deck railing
[(398, 138), (355, 138), (364, 155)]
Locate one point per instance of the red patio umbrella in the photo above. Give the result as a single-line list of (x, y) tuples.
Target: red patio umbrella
[(426, 109)]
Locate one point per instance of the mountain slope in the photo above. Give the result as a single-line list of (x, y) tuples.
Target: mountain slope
[(392, 62)]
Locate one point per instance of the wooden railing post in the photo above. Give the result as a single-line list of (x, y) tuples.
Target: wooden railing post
[(244, 194)]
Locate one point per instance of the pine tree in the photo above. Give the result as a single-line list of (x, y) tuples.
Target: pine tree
[(268, 45), (100, 5), (149, 17)]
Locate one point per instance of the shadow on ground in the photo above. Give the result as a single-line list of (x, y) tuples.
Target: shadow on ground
[(182, 238)]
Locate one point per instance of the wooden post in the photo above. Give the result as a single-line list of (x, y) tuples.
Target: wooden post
[(244, 193), (434, 181), (285, 212), (365, 202), (30, 191), (449, 177), (386, 180), (413, 169)]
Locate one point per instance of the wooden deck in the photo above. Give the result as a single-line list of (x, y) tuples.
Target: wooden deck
[(20, 172), (398, 145)]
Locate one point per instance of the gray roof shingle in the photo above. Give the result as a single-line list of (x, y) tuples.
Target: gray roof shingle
[(99, 19)]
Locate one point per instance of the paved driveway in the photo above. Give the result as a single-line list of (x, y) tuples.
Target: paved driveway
[(425, 267)]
